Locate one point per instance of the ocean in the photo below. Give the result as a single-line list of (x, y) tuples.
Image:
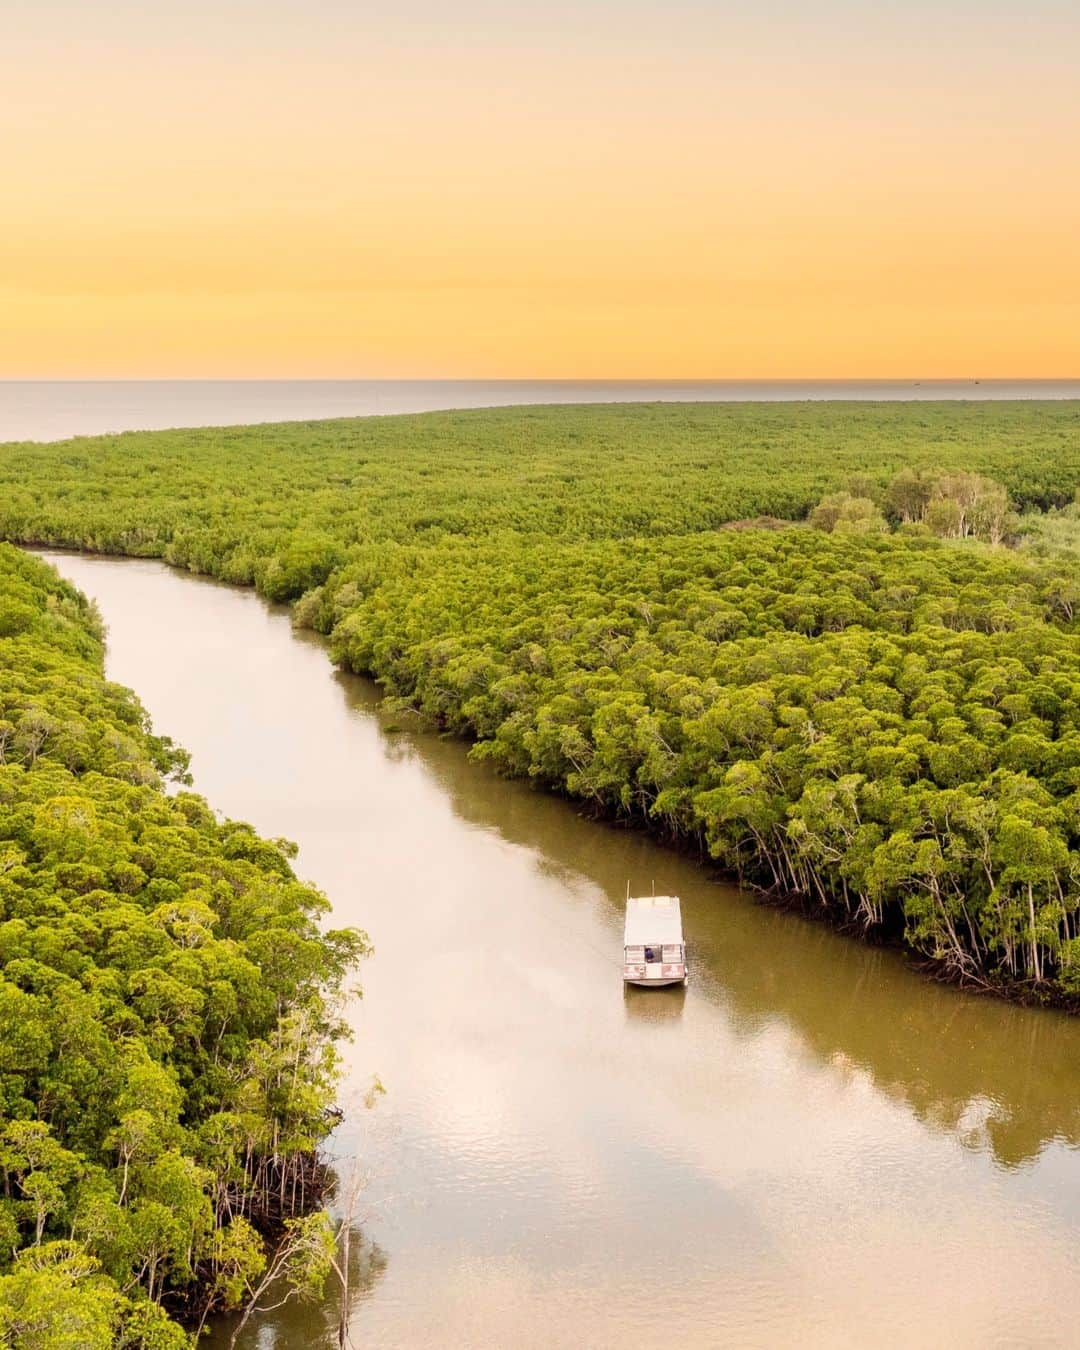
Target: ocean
[(49, 410)]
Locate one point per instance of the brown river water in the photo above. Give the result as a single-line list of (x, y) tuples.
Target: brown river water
[(812, 1145)]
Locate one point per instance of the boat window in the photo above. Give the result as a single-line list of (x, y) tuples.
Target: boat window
[(654, 954)]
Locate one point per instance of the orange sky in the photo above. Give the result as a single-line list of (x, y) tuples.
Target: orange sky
[(499, 189)]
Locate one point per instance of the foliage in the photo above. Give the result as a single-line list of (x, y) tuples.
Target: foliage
[(886, 721), (167, 1002), (269, 505), (889, 724), (954, 505), (847, 514)]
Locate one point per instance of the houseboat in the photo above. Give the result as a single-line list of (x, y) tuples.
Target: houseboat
[(654, 953)]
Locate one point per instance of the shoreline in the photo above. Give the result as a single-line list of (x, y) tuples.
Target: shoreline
[(187, 1308), (1015, 992), (210, 900), (782, 1019), (1019, 994), (69, 425), (395, 512)]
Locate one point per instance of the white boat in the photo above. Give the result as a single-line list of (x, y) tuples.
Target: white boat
[(654, 953)]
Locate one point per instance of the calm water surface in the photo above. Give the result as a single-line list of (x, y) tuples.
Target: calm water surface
[(811, 1146), (49, 410)]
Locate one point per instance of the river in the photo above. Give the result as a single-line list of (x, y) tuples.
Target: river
[(811, 1145)]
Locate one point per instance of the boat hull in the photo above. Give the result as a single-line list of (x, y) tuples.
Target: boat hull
[(656, 976)]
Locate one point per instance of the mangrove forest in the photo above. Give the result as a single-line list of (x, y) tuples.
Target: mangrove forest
[(831, 646), (169, 1007)]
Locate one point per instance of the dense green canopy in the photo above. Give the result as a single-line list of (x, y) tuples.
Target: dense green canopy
[(880, 713), (167, 1005), (278, 505)]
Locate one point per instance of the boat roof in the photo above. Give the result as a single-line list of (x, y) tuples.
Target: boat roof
[(653, 919)]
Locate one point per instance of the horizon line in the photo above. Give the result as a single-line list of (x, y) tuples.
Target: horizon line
[(910, 380)]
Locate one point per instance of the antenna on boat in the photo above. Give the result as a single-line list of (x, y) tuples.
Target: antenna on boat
[(627, 890), (654, 888)]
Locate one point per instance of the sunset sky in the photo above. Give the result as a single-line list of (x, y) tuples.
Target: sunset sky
[(816, 188)]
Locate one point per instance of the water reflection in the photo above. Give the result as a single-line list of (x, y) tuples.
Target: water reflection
[(655, 1007), (312, 1325), (1002, 1079)]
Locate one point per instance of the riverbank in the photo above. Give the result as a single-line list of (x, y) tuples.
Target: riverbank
[(804, 903), (806, 906), (880, 719), (807, 1084), (170, 999), (1021, 994)]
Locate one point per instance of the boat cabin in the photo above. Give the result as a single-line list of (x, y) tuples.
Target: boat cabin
[(653, 949)]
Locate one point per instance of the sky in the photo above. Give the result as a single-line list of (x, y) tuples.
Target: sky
[(688, 189)]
